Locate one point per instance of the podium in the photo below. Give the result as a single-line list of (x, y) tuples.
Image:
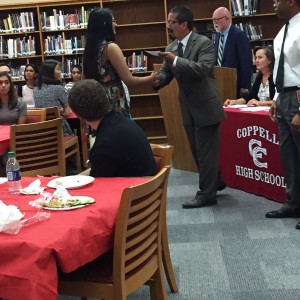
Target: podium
[(182, 156)]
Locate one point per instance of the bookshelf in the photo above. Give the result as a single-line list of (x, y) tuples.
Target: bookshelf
[(60, 28)]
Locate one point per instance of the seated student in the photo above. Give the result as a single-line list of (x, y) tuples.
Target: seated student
[(5, 68), (12, 110), (76, 73), (263, 89), (121, 148), (25, 91)]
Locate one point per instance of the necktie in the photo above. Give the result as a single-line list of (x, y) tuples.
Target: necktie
[(180, 50), (280, 70), (220, 50)]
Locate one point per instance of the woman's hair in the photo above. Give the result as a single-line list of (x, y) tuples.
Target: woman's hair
[(269, 54), (99, 31), (12, 97), (76, 67), (34, 67), (46, 74)]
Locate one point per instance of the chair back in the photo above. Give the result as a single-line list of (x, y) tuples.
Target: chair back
[(36, 115), (162, 155), (38, 147), (137, 242), (52, 113)]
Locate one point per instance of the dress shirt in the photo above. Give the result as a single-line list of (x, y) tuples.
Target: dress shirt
[(184, 42), (225, 32), (291, 53)]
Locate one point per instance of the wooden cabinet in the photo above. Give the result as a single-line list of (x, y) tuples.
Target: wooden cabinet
[(141, 27)]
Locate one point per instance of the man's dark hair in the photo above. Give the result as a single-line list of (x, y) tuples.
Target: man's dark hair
[(184, 14), (46, 74), (3, 64), (88, 100), (12, 96)]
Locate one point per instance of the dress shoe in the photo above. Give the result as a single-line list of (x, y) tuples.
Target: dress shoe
[(221, 185), (298, 226), (283, 213), (198, 202)]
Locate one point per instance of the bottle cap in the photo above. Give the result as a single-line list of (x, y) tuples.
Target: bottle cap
[(11, 153)]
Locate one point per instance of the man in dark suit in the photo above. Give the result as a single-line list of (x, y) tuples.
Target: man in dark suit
[(190, 59), (121, 148), (233, 49)]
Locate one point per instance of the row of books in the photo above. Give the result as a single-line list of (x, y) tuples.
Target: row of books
[(137, 62), (12, 48), (61, 20), (245, 7), (253, 32), (66, 65), (61, 45), (18, 22)]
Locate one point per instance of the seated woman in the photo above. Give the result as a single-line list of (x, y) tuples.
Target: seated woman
[(263, 89), (76, 72), (49, 91), (25, 91), (12, 109)]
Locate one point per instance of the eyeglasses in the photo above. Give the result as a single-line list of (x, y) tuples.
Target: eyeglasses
[(218, 19), (171, 22)]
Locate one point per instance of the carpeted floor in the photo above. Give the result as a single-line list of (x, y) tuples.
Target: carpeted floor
[(229, 251)]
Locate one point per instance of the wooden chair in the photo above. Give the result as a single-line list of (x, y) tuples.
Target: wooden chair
[(36, 115), (38, 147), (137, 255), (163, 156), (71, 144)]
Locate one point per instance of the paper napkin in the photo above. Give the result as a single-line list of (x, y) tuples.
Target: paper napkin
[(10, 217), (33, 188)]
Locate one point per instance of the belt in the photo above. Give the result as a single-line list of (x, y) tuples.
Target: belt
[(290, 89)]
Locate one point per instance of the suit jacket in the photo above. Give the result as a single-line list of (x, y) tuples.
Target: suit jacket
[(198, 92), (237, 54), (255, 88)]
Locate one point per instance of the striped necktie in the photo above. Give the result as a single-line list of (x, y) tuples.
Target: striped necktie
[(220, 51), (180, 50), (280, 69)]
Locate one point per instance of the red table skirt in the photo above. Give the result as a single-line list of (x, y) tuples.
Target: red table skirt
[(250, 158), (4, 138)]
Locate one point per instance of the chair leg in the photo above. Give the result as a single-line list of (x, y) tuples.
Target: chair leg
[(166, 258), (157, 286), (78, 162)]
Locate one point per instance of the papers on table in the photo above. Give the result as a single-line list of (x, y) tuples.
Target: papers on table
[(154, 53), (244, 107), (256, 108), (236, 106)]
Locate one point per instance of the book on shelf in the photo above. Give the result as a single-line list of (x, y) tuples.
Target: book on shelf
[(137, 62), (244, 7), (14, 23), (18, 47)]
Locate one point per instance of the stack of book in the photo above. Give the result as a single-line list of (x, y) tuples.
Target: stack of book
[(18, 22), (61, 20), (137, 62), (245, 7)]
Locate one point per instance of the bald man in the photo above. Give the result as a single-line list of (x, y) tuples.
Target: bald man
[(236, 50)]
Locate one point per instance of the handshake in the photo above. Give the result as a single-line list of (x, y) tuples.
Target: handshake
[(155, 79)]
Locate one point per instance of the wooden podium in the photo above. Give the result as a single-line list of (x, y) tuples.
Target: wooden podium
[(182, 156)]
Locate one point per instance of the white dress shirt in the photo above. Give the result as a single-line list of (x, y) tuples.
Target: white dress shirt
[(291, 53)]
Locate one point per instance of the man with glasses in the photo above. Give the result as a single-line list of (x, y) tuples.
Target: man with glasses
[(233, 49), (190, 59)]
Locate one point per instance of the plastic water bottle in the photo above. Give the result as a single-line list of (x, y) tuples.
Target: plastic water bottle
[(13, 174)]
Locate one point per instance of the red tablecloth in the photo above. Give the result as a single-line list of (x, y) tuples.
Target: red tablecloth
[(250, 158), (28, 260), (4, 138)]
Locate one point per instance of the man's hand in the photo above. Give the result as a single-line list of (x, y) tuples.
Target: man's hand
[(168, 56), (273, 112), (296, 124)]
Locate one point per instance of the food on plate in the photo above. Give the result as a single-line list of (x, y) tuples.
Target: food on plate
[(61, 203)]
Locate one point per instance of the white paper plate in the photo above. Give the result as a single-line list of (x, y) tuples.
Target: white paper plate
[(71, 182), (82, 198)]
